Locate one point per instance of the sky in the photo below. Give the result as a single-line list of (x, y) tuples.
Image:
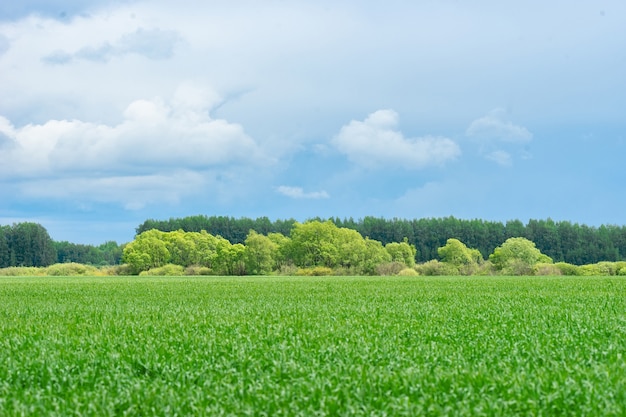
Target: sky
[(117, 111)]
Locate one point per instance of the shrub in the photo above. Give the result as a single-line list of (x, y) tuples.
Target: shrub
[(408, 272), (390, 268), (620, 268), (316, 271), (288, 270), (546, 269), (71, 269), (434, 268), (165, 270), (198, 270), (568, 269), (117, 270), (590, 270), (22, 271)]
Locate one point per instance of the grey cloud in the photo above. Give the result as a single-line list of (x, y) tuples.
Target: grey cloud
[(152, 43), (4, 44), (58, 58)]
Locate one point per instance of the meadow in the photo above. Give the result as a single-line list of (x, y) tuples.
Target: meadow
[(271, 346)]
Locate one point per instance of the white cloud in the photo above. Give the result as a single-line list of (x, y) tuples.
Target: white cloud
[(298, 193), (153, 134), (159, 151), (500, 157), (495, 126), (376, 143)]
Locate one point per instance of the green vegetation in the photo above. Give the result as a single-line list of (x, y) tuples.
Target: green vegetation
[(562, 241), (312, 346)]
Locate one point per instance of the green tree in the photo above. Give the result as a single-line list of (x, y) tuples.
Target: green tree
[(458, 255), (375, 254), (230, 258), (314, 244), (5, 253), (402, 252), (30, 245), (205, 248), (517, 256), (260, 254), (147, 251), (182, 248)]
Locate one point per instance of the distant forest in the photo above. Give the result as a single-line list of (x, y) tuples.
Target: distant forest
[(28, 244), (563, 241)]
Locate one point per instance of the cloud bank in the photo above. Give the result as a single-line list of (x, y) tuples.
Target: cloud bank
[(376, 143), (160, 148)]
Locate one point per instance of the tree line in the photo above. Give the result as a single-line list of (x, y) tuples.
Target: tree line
[(322, 248), (29, 244), (562, 241)]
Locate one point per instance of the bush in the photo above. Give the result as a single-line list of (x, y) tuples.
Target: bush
[(590, 270), (71, 269), (22, 271), (390, 268), (117, 270), (435, 268), (408, 272), (620, 268), (288, 270), (198, 270), (568, 269), (317, 271), (170, 270), (544, 269)]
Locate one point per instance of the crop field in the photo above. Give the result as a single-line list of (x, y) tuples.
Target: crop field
[(113, 346)]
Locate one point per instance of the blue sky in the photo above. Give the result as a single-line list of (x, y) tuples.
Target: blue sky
[(113, 112)]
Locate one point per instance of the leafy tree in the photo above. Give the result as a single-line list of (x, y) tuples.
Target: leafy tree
[(30, 245), (5, 253), (375, 254), (147, 251), (205, 248), (402, 252), (314, 244), (283, 246), (456, 254), (517, 256), (260, 254), (230, 258), (182, 248)]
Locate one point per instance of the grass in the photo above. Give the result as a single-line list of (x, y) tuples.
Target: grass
[(112, 346)]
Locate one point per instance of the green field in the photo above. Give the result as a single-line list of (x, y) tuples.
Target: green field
[(271, 346)]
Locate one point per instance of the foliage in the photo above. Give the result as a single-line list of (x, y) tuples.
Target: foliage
[(108, 253), (436, 268), (261, 254), (568, 269), (517, 256), (562, 241), (147, 251), (325, 346), (408, 272), (71, 269), (546, 269), (317, 271), (165, 270), (26, 244), (390, 268), (464, 259), (402, 252)]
